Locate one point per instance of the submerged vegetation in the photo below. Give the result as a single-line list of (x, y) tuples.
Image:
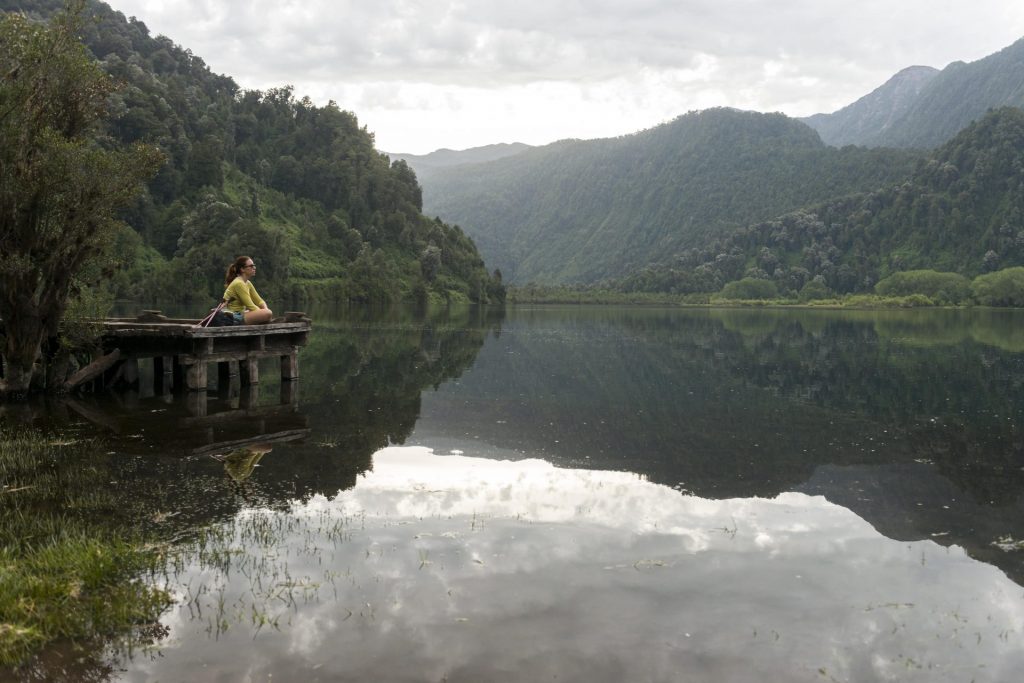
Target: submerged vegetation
[(69, 564)]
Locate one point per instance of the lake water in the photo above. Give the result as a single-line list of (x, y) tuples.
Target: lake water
[(589, 494)]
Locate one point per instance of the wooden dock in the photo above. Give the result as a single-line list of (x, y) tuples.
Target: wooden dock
[(181, 352)]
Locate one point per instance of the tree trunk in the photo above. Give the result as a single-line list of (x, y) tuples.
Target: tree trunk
[(57, 369), (23, 337)]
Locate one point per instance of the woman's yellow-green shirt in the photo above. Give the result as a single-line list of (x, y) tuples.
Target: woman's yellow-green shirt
[(241, 296)]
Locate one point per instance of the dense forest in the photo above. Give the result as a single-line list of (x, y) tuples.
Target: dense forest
[(583, 211), (298, 186), (961, 211)]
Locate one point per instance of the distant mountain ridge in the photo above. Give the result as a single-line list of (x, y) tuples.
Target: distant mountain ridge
[(424, 164), (944, 103), (582, 211), (874, 113), (429, 165), (961, 211)]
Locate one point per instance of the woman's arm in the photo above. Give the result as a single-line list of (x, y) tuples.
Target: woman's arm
[(240, 292), (254, 297)]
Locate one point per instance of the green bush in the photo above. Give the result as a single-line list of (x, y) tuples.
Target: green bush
[(814, 290), (1001, 288), (750, 288), (948, 288)]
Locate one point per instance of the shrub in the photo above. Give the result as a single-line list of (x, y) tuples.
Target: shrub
[(814, 290), (750, 288), (950, 288), (1001, 288)]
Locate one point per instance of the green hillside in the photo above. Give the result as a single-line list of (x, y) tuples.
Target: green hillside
[(930, 112), (959, 94), (582, 211), (871, 115), (300, 187), (961, 211)]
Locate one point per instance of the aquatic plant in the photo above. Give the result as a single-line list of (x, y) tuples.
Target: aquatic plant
[(69, 568)]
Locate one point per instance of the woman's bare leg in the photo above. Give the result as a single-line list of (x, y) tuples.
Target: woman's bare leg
[(258, 317)]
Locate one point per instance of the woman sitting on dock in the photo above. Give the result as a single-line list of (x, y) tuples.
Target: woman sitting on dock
[(242, 300)]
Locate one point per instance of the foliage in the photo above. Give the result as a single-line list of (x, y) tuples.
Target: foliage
[(750, 288), (943, 287), (297, 186), (59, 189), (961, 211), (961, 94), (949, 101), (814, 290), (63, 575), (1002, 288), (583, 211)]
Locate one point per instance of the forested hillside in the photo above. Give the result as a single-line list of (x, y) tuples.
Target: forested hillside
[(581, 211), (943, 105), (876, 112), (961, 211), (299, 187)]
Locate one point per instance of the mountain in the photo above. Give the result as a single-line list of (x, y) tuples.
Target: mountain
[(583, 211), (299, 187), (946, 103), (962, 211), (874, 113), (424, 164)]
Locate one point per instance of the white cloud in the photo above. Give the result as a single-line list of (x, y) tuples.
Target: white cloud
[(654, 58), (494, 570)]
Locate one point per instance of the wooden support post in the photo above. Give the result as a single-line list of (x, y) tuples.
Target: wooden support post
[(130, 372), (233, 391), (249, 396), (195, 376), (131, 399), (195, 403), (249, 370), (290, 366)]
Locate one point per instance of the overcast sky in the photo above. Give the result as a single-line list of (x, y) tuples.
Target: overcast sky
[(427, 74)]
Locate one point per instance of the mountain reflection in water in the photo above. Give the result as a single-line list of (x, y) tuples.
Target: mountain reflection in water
[(459, 568), (705, 495)]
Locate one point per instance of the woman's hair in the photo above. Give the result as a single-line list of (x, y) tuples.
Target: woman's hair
[(235, 268)]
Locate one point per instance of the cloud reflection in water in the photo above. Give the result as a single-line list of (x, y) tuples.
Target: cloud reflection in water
[(459, 568)]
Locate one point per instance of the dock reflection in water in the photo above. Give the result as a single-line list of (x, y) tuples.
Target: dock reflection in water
[(651, 495), (194, 423), (456, 568)]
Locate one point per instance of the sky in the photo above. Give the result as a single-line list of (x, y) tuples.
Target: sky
[(429, 74)]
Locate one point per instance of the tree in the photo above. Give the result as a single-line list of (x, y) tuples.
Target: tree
[(750, 288), (951, 288), (59, 190), (1001, 288)]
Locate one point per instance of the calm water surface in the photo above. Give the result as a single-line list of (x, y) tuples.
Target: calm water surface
[(579, 494)]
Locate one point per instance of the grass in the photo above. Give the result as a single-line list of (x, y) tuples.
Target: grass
[(69, 569), (565, 295)]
